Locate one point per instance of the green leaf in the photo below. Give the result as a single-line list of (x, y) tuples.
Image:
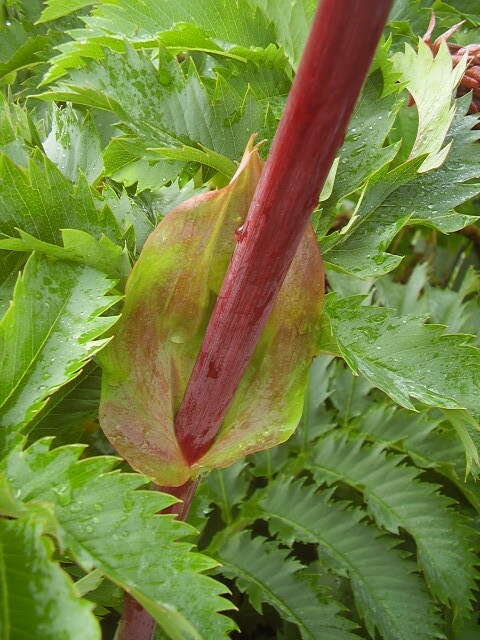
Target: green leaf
[(433, 98), (10, 264), (128, 161), (78, 246), (397, 499), (231, 22), (388, 595), (404, 357), (47, 335), (71, 413), (419, 436), (291, 20), (268, 574), (73, 144), (55, 9), (363, 151), (41, 200), (108, 525), (227, 487), (165, 106), (38, 600), (393, 197), (16, 131)]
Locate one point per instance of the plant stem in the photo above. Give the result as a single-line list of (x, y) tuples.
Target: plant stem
[(335, 62), (136, 623)]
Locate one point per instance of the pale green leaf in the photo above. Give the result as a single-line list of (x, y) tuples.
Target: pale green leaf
[(431, 81)]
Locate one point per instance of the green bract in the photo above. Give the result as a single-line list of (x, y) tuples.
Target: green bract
[(169, 298)]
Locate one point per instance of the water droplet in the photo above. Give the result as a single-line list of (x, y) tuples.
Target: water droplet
[(89, 528), (241, 233), (8, 23), (177, 338)]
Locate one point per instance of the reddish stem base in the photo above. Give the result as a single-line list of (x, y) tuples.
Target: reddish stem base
[(136, 623)]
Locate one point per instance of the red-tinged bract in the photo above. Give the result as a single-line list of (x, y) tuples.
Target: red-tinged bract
[(169, 299)]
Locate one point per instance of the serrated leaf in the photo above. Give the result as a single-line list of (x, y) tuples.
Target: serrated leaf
[(73, 144), (227, 487), (10, 265), (78, 246), (418, 435), (363, 151), (71, 413), (128, 161), (108, 524), (49, 332), (396, 196), (291, 20), (269, 575), (235, 23), (397, 499), (55, 9), (40, 200), (404, 357), (165, 106), (38, 599), (433, 98), (388, 595)]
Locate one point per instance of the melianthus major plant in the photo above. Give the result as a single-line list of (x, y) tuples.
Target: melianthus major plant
[(363, 524)]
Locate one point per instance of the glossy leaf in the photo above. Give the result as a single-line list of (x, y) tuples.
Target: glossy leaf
[(106, 523), (38, 599), (49, 332)]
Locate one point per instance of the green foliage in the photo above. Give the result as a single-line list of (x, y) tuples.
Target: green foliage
[(376, 569), (365, 523), (396, 499), (38, 598), (54, 322), (92, 510), (266, 572)]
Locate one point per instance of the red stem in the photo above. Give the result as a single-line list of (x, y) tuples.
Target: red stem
[(335, 62), (136, 623)]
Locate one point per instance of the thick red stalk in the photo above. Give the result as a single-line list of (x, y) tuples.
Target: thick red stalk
[(335, 62), (136, 623)]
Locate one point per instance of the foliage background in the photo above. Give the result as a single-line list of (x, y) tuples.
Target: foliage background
[(364, 524)]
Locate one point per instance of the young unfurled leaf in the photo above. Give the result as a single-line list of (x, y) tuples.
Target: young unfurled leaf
[(433, 98), (170, 295)]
